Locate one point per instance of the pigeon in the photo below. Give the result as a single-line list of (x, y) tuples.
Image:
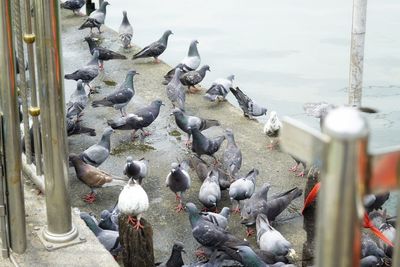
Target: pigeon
[(200, 167), (175, 260), (211, 236), (109, 239), (216, 260), (202, 145), (272, 128), (375, 202), (96, 18), (155, 49), (219, 219), (136, 169), (74, 5), (74, 126), (142, 118), (178, 180), (250, 259), (104, 53), (109, 219), (249, 107), (295, 167), (219, 89), (98, 153), (370, 261), (89, 175), (175, 92), (272, 207), (125, 31), (119, 98), (243, 188), (133, 201), (191, 78), (232, 157), (77, 101), (271, 240), (186, 122), (210, 193), (370, 248), (189, 63), (88, 72), (390, 233)]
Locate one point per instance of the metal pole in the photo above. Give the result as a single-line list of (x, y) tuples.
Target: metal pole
[(59, 227), (357, 51), (338, 209), (16, 206), (34, 110)]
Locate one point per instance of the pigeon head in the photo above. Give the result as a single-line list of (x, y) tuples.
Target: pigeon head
[(231, 77), (164, 37), (206, 67), (248, 255), (193, 49), (129, 159), (132, 73), (191, 208), (73, 157), (178, 246), (212, 200), (176, 111), (248, 216), (124, 13), (90, 222), (229, 133), (104, 4), (108, 131), (225, 212), (174, 167), (158, 103), (168, 33), (105, 214)]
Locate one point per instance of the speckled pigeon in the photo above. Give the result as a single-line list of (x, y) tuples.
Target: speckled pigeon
[(175, 92), (125, 31), (155, 49), (77, 101), (96, 154), (96, 18), (191, 78), (219, 219), (219, 89), (120, 98)]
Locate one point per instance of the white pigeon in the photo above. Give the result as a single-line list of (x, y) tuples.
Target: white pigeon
[(192, 60), (272, 128), (133, 201)]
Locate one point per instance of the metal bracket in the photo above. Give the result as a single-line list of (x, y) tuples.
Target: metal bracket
[(50, 246)]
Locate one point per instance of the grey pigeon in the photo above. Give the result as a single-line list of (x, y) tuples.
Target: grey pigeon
[(243, 188), (125, 31), (390, 233), (136, 169), (295, 167), (271, 240), (370, 248), (219, 89), (250, 259), (77, 101), (74, 126), (88, 72), (96, 18), (98, 153), (142, 118), (178, 180), (249, 107), (370, 261), (74, 5), (175, 92), (191, 78), (109, 239), (89, 175), (211, 236), (109, 219), (189, 63), (219, 219), (375, 202), (119, 98), (104, 53), (203, 145), (272, 128), (232, 157), (175, 260), (186, 122), (210, 192), (155, 49), (272, 207)]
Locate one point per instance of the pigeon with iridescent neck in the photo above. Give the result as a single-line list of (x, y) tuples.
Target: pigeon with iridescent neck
[(155, 49), (125, 31), (136, 169), (178, 180)]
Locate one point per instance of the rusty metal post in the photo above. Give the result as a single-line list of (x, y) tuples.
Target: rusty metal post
[(59, 229), (357, 52), (16, 206), (340, 198)]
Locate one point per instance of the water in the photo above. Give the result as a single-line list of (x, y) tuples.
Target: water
[(283, 53)]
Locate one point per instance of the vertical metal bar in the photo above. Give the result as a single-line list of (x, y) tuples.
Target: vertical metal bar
[(29, 38), (396, 249), (22, 78), (12, 135), (357, 51), (3, 201), (346, 167), (59, 227)]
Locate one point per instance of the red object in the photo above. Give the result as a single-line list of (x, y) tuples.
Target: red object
[(311, 196), (368, 224)]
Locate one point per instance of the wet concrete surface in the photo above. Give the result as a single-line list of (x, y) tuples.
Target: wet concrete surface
[(166, 148)]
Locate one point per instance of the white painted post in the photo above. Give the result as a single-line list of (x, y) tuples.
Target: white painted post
[(357, 51)]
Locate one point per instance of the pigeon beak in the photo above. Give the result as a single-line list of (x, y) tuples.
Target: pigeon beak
[(137, 73), (171, 114), (162, 104), (184, 251)]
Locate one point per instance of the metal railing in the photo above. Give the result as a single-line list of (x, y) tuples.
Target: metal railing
[(41, 125)]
